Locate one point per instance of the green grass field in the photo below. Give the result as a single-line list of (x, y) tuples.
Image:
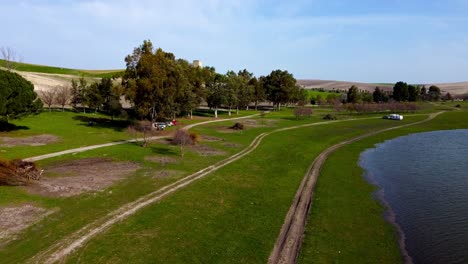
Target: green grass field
[(231, 216), (59, 70), (237, 212), (314, 94)]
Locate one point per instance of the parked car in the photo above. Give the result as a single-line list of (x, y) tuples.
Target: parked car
[(159, 125), (393, 117)]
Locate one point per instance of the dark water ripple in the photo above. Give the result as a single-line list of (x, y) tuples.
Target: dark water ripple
[(424, 178)]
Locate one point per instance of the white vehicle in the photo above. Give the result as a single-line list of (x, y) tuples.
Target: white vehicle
[(394, 117)]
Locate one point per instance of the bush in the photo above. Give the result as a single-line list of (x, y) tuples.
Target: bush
[(238, 126), (300, 112), (18, 172), (17, 96), (182, 137), (330, 117), (195, 137)]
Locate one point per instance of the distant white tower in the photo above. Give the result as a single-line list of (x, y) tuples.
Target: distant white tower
[(197, 63)]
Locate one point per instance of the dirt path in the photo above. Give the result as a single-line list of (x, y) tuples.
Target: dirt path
[(289, 241), (58, 251), (82, 149)]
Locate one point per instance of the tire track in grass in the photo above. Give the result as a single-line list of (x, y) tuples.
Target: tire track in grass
[(288, 244)]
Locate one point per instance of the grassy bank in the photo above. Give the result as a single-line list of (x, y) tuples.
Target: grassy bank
[(346, 223)]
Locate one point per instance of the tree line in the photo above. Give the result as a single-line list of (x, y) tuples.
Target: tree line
[(402, 92), (159, 85)]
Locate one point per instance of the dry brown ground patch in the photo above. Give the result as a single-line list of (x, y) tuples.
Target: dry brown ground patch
[(259, 122), (79, 176), (166, 173), (38, 140), (13, 220), (205, 150), (211, 138)]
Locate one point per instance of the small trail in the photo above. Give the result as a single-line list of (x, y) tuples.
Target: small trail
[(64, 247), (83, 149), (288, 244)]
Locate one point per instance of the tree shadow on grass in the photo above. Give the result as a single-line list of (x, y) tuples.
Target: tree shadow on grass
[(8, 127), (203, 112), (163, 151), (99, 122)]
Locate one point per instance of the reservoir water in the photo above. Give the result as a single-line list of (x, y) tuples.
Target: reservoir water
[(423, 179)]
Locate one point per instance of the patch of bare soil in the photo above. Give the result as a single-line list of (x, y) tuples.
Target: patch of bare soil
[(163, 160), (39, 140), (166, 173), (211, 139), (16, 219), (259, 122), (85, 175), (204, 150)]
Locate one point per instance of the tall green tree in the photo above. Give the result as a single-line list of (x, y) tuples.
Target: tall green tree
[(353, 95), (414, 93), (379, 95), (279, 86), (17, 96), (424, 93), (217, 92), (245, 93), (400, 92), (152, 81), (259, 92), (92, 97), (233, 84), (434, 93)]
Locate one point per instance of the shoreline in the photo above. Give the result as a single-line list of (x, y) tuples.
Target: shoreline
[(389, 214)]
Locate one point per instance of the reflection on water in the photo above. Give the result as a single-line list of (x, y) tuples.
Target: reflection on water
[(424, 179)]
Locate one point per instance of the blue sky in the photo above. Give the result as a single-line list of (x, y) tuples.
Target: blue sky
[(362, 40)]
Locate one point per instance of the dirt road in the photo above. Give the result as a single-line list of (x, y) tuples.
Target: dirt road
[(83, 149), (289, 241)]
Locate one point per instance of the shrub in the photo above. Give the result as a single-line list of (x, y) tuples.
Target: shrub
[(330, 117), (300, 112), (182, 138), (238, 126), (195, 137), (18, 172)]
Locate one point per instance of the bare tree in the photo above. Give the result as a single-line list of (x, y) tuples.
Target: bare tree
[(9, 56), (48, 97), (63, 96), (143, 128)]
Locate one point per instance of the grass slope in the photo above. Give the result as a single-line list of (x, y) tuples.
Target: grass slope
[(232, 216), (26, 67), (346, 223)]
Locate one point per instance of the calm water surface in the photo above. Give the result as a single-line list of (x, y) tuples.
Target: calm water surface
[(424, 180)]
